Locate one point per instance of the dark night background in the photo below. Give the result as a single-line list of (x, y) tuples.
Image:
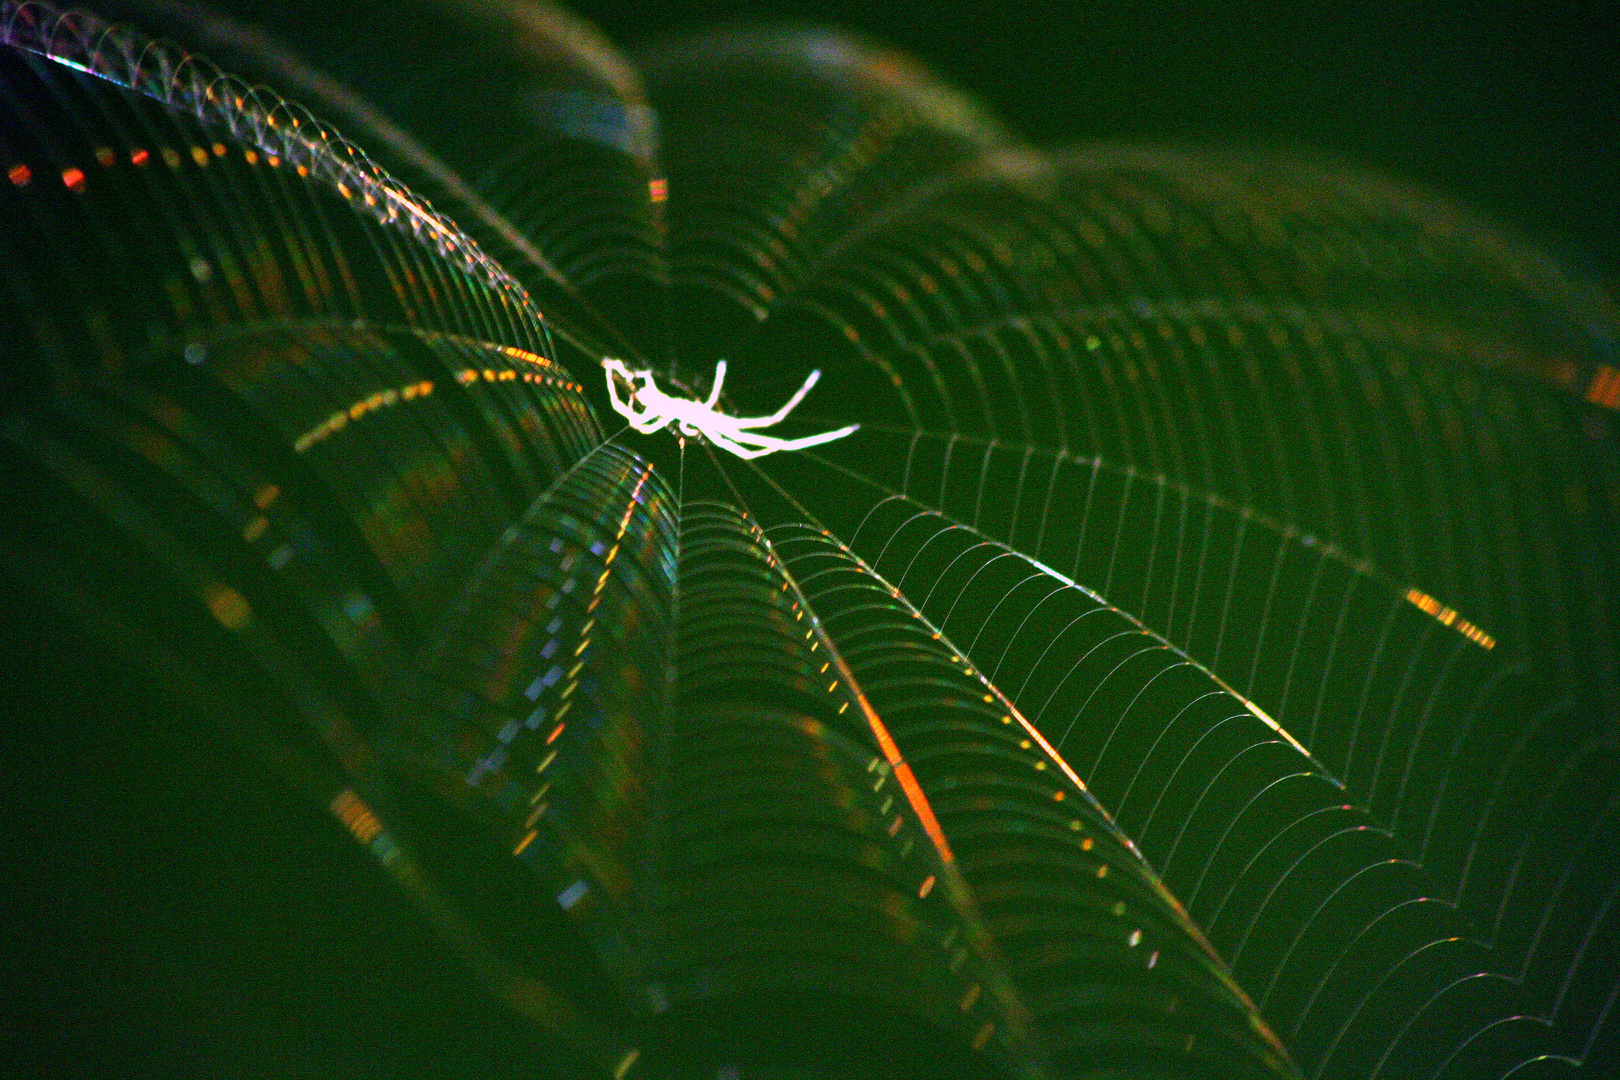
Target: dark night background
[(182, 916), (1513, 109)]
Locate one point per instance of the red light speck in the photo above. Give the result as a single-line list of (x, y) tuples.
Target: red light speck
[(140, 157), (19, 174), (73, 178)]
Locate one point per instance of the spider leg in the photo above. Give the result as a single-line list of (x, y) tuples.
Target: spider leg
[(614, 367), (771, 444), (726, 442), (780, 414), (817, 440), (719, 379), (644, 420)]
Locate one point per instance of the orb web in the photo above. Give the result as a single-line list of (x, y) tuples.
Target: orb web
[(1201, 659)]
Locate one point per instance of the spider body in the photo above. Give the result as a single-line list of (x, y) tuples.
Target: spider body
[(638, 398)]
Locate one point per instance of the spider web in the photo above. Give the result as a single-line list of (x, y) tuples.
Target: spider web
[(1201, 661)]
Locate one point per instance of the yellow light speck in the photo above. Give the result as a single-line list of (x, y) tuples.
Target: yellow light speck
[(229, 607)]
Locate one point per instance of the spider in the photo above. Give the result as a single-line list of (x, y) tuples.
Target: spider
[(648, 408)]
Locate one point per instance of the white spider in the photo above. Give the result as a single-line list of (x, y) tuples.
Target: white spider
[(648, 408)]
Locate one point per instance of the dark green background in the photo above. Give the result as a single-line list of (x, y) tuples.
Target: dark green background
[(172, 912), (1513, 108)]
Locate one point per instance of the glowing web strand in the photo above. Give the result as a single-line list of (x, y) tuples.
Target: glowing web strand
[(280, 129)]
